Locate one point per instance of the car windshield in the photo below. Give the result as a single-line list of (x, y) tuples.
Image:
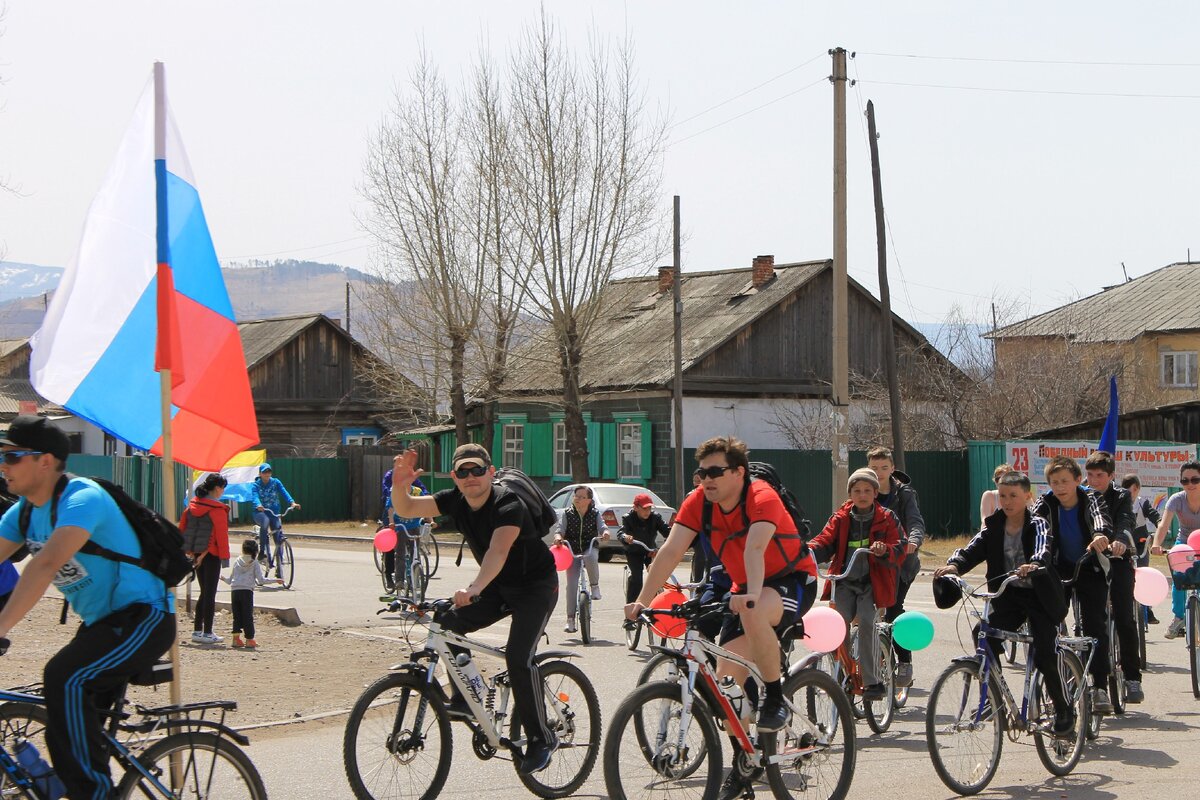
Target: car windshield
[(622, 495)]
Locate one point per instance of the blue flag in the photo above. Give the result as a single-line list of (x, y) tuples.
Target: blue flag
[(1108, 438)]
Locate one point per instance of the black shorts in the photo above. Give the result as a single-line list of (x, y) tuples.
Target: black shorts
[(798, 592)]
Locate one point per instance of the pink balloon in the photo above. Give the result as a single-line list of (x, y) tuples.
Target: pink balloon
[(1150, 586), (563, 557), (385, 540), (1193, 540), (824, 630), (1180, 548)]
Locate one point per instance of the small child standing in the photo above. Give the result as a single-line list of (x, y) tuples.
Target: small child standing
[(244, 575)]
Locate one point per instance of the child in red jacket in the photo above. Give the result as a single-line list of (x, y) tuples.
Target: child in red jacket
[(871, 584)]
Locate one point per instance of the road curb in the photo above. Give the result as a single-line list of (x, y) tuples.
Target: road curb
[(287, 616)]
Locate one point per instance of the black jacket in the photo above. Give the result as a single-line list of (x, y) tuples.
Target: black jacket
[(902, 501), (645, 530), (1120, 510), (1093, 519), (988, 545)]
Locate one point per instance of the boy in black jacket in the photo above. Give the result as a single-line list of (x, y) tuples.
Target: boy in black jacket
[(1079, 522), (1012, 539)]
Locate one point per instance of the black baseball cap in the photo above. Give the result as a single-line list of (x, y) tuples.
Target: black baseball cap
[(37, 433)]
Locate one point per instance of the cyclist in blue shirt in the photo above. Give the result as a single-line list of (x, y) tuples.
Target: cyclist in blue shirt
[(398, 523), (265, 492), (128, 614)]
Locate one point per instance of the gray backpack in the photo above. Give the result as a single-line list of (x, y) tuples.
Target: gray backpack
[(197, 533)]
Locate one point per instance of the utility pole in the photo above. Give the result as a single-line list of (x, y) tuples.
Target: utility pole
[(347, 306), (840, 397), (885, 296), (677, 419)]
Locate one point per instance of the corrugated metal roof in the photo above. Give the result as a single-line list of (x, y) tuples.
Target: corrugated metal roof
[(1163, 300), (632, 344), (15, 390)]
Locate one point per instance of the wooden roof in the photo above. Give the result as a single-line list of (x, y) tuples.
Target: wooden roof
[(262, 337), (1161, 301), (632, 346)]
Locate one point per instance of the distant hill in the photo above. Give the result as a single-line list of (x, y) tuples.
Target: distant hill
[(258, 289)]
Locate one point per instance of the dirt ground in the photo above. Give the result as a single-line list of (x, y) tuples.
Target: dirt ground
[(296, 672)]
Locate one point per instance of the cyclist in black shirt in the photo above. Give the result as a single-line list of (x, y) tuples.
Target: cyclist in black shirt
[(639, 532), (516, 576)]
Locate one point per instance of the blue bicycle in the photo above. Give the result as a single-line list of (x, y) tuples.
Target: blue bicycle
[(971, 708), (172, 752)]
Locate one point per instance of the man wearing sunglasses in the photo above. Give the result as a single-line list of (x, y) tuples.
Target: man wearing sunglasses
[(128, 614), (516, 576), (755, 539)]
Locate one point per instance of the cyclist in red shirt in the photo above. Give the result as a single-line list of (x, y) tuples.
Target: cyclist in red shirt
[(756, 540)]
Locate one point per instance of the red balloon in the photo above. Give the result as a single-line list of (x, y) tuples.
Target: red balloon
[(385, 540), (563, 557), (671, 627)]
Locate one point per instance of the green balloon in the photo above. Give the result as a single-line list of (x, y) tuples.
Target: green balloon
[(913, 630)]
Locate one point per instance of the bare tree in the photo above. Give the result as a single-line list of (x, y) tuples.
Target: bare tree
[(585, 172)]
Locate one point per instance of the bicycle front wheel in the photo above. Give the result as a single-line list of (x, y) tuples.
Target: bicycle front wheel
[(573, 716), (20, 721), (1060, 756), (880, 713), (397, 742), (585, 617), (1193, 641), (962, 728), (430, 551), (665, 757), (419, 578), (285, 563), (813, 757), (208, 766), (633, 632), (1116, 675)]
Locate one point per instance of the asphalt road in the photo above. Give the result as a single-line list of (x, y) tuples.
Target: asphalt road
[(1150, 752)]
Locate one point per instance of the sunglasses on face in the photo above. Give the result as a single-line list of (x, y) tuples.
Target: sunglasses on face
[(473, 471), (13, 456), (711, 472), (1195, 479)]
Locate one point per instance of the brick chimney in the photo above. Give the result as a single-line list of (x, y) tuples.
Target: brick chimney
[(764, 270), (666, 278)]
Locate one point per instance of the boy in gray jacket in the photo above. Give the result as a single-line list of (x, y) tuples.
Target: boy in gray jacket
[(244, 575)]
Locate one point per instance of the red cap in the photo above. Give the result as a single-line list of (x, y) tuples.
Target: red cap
[(643, 499)]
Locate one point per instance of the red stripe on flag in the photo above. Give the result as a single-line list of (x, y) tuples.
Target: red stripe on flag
[(168, 352)]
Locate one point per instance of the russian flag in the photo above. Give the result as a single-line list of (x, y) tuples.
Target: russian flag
[(144, 291)]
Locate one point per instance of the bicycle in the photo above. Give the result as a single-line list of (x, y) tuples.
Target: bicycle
[(399, 734), (427, 544), (584, 602), (674, 749), (633, 629), (843, 664), (411, 566), (1185, 575), (1085, 648), (172, 752), (285, 559), (971, 708)]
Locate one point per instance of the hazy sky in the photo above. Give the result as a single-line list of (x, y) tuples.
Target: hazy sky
[(1037, 192)]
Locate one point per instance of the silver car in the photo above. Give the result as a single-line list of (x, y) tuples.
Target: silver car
[(614, 500)]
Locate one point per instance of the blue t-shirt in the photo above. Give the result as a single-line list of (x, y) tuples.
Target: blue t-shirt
[(1070, 535), (94, 586)]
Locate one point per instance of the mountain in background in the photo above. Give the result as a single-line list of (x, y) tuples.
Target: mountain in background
[(258, 290)]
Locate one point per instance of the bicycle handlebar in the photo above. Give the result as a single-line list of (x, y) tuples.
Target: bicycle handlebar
[(846, 568), (1090, 554), (266, 510), (974, 592)]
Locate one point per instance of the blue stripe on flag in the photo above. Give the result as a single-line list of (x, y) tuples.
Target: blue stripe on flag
[(193, 259)]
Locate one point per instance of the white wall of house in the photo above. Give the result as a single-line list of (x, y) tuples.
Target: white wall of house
[(93, 437), (755, 421)]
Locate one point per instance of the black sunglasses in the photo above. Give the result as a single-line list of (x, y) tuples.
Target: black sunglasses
[(711, 472), (473, 471), (1195, 479), (13, 456)]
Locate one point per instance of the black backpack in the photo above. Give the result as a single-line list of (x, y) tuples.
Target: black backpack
[(761, 471), (536, 505), (160, 539)]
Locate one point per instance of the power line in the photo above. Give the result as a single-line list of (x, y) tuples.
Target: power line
[(748, 91), (822, 79), (298, 249), (1038, 91), (1034, 61)]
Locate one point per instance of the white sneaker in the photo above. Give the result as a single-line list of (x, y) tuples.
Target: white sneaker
[(198, 636), (1175, 629), (595, 591), (212, 638), (570, 626)]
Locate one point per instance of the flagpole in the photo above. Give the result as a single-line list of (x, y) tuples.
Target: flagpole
[(164, 375)]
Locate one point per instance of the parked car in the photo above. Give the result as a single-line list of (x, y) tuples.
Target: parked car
[(614, 500)]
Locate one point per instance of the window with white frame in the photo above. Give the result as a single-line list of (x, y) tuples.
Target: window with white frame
[(629, 436), (1179, 369), (514, 446), (562, 453)]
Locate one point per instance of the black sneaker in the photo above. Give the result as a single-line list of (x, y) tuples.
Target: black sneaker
[(536, 758), (876, 691), (1151, 619), (773, 717), (1064, 724), (735, 787), (1100, 701)]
